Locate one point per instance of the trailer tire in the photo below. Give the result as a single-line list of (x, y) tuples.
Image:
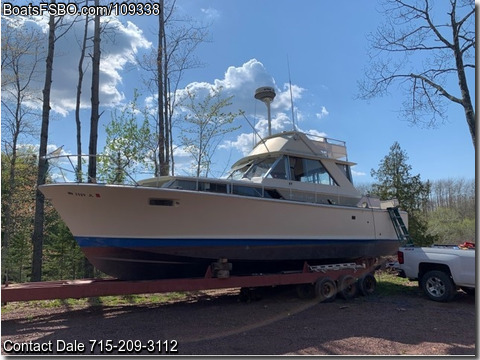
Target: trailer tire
[(305, 291), (367, 284), (248, 294), (347, 287), (438, 286), (325, 290)]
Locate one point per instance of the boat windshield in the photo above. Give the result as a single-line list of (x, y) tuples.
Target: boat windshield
[(238, 172), (253, 169)]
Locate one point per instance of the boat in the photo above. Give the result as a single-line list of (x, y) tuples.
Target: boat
[(290, 201)]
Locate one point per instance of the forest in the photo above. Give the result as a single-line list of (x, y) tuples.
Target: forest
[(37, 245)]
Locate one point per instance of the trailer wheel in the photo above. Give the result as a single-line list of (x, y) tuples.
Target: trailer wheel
[(367, 284), (347, 286), (247, 295), (305, 291), (325, 290), (438, 286)]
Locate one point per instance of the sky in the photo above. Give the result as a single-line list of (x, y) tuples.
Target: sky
[(320, 47)]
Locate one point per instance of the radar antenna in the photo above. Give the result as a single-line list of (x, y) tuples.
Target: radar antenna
[(266, 94)]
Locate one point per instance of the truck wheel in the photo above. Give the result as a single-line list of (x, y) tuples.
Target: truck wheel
[(347, 287), (325, 290), (438, 286), (367, 284)]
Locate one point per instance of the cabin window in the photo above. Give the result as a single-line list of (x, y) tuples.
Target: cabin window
[(239, 172), (183, 185), (255, 192), (346, 170), (278, 171), (212, 187), (309, 171), (260, 168), (247, 191)]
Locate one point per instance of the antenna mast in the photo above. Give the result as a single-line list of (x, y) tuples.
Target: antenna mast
[(291, 95), (266, 94)]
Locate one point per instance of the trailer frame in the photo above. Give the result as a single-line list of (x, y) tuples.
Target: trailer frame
[(217, 276)]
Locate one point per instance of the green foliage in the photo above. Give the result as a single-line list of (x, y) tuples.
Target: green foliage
[(206, 124), (61, 254), (17, 201), (62, 257), (396, 182), (449, 227), (126, 150), (452, 213)]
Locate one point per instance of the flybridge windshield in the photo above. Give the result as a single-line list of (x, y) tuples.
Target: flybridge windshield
[(285, 168)]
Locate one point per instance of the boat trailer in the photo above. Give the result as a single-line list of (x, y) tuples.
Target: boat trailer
[(321, 281)]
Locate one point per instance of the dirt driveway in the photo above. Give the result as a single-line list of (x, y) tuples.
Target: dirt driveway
[(213, 323)]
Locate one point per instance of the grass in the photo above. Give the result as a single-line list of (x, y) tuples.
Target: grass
[(121, 300), (390, 284)]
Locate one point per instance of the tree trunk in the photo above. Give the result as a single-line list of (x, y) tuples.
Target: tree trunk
[(94, 118), (37, 237), (166, 166), (78, 103), (95, 99), (160, 89), (462, 79)]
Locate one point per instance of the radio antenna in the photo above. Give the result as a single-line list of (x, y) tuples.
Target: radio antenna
[(291, 95), (255, 131)]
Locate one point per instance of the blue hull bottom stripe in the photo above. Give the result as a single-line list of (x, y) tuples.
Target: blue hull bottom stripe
[(143, 242)]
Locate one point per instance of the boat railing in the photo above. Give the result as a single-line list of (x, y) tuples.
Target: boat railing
[(336, 149), (64, 167)]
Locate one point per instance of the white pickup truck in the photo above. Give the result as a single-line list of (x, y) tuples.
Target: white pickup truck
[(440, 269)]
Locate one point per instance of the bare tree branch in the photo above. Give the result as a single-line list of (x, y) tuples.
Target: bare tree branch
[(434, 48)]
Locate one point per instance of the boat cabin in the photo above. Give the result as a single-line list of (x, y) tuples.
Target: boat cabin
[(289, 166)]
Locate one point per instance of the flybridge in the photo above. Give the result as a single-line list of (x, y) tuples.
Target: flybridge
[(295, 142)]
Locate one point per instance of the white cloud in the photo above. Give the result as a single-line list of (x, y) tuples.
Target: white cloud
[(315, 133), (120, 42), (358, 173), (241, 82), (244, 143), (210, 13), (323, 113)]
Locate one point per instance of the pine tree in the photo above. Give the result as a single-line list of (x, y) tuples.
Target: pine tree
[(395, 181)]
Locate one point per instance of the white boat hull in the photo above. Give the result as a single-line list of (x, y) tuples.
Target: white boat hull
[(144, 232)]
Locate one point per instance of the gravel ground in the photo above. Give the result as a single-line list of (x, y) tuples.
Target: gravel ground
[(217, 323)]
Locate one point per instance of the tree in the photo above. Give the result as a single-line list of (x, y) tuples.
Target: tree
[(17, 254), (37, 237), (127, 143), (395, 182), (427, 55), (78, 123), (205, 126), (451, 216), (449, 227), (21, 52), (177, 41), (95, 99)]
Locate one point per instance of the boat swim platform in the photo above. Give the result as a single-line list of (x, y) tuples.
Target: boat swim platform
[(85, 288)]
